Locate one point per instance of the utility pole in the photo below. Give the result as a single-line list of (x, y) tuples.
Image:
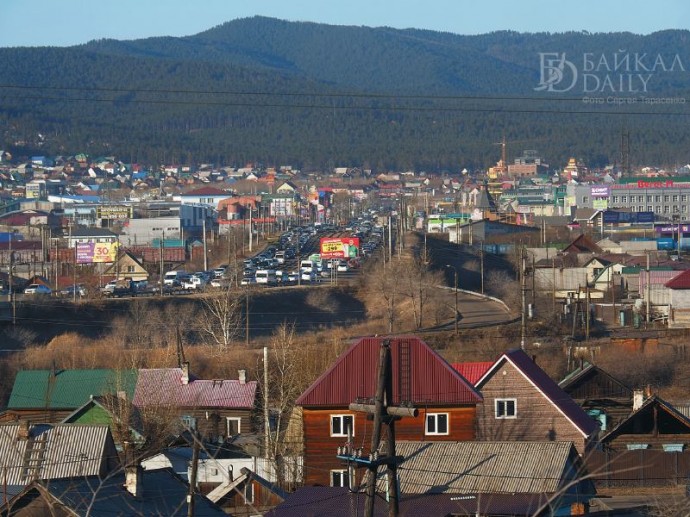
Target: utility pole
[(161, 274), (481, 265), (523, 289), (192, 477), (383, 414), (203, 225), (648, 293), (267, 440), (246, 319)]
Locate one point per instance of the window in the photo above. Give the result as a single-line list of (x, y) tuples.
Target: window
[(506, 408), (233, 425), (649, 199), (585, 200), (189, 422), (436, 423), (341, 423), (667, 199), (615, 199), (624, 199), (340, 478), (684, 197), (675, 198), (658, 199)]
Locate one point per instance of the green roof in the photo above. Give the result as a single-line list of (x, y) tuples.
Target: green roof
[(67, 389)]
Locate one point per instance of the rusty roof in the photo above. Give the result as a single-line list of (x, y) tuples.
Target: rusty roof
[(164, 387), (420, 376)]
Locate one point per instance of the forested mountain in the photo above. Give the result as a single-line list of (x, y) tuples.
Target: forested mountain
[(314, 95)]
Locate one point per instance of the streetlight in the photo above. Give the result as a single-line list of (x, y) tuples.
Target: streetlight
[(455, 276)]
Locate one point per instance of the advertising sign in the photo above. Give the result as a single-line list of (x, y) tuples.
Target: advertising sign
[(600, 190), (114, 212), (96, 252), (339, 247), (611, 217), (600, 204)]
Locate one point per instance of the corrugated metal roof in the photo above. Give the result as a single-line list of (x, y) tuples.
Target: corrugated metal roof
[(427, 379), (67, 389), (547, 386), (483, 467), (681, 281), (164, 387), (163, 493), (472, 371), (67, 450), (656, 278)]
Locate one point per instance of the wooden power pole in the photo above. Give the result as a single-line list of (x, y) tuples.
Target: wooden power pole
[(383, 414)]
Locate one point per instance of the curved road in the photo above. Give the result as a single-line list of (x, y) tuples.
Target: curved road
[(475, 310)]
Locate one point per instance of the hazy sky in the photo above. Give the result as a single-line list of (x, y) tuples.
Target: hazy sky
[(70, 22)]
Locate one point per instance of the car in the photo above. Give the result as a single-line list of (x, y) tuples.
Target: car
[(70, 290), (248, 281), (38, 289), (310, 276), (343, 267)]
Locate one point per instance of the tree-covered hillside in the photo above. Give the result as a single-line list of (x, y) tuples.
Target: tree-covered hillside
[(270, 91)]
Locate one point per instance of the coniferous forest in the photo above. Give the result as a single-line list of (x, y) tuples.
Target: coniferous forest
[(268, 91)]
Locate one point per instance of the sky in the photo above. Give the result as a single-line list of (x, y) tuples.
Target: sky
[(71, 22)]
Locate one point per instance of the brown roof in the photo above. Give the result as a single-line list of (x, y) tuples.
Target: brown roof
[(582, 244), (420, 376), (546, 386)]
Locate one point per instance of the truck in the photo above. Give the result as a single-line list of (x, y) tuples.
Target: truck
[(194, 282), (174, 278)]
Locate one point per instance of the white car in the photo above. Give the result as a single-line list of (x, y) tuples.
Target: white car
[(38, 289), (343, 267)]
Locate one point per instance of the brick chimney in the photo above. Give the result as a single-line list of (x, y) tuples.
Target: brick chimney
[(185, 372), (242, 375), (23, 431)]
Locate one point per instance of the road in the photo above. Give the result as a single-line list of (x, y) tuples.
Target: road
[(475, 310)]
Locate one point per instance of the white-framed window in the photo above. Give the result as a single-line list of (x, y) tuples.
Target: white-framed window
[(506, 408), (233, 425), (340, 478), (436, 423), (340, 424)]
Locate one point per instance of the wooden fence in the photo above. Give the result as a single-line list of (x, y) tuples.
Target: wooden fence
[(638, 468)]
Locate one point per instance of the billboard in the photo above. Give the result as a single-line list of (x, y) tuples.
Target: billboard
[(96, 252), (600, 191), (339, 247), (612, 217), (114, 212)]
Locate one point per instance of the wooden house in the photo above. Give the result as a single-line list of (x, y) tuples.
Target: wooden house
[(679, 300), (521, 402), (602, 396), (420, 377), (655, 425), (127, 266), (49, 396), (218, 409), (49, 452)]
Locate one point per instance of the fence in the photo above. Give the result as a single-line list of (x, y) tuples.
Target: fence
[(638, 468)]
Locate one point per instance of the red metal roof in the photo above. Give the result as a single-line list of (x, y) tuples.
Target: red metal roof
[(429, 379), (164, 387), (681, 281), (473, 371)]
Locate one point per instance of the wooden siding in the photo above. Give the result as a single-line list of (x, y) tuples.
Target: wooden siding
[(35, 416), (537, 418), (320, 448), (211, 422)]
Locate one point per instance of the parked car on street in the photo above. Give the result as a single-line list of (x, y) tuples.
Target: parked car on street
[(39, 289), (70, 290)]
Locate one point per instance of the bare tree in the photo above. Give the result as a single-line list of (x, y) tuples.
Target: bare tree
[(417, 282), (221, 317)]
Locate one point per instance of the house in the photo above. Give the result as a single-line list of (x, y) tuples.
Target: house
[(80, 235), (49, 396), (156, 492), (218, 409), (126, 266), (117, 413), (553, 469), (656, 425), (30, 452), (473, 371), (602, 396), (582, 244), (464, 478), (447, 403), (521, 402), (210, 196), (679, 300)]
